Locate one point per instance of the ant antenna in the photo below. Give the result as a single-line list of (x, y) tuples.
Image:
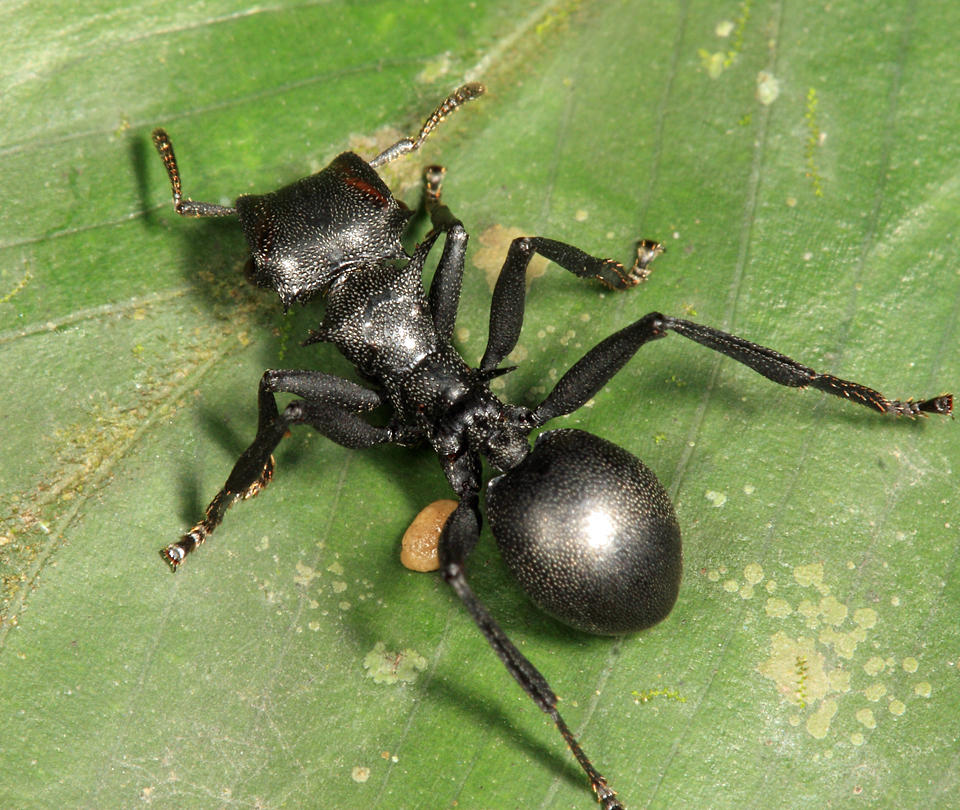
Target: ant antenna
[(457, 98)]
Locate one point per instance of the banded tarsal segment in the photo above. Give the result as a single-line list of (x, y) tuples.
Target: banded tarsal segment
[(613, 276), (455, 100), (184, 207)]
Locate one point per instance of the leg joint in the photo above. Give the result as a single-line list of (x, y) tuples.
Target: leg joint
[(522, 245)]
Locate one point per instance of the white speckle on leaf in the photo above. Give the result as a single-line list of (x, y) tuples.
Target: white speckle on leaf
[(715, 498), (768, 88), (360, 773)]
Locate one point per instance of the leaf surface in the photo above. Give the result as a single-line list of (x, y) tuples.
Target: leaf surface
[(801, 163)]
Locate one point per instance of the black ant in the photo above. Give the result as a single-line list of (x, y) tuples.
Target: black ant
[(586, 528)]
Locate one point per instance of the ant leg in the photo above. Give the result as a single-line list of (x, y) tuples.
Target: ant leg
[(447, 279), (595, 369), (330, 404), (459, 536), (509, 294), (184, 207), (597, 366), (786, 371), (440, 215), (456, 99)]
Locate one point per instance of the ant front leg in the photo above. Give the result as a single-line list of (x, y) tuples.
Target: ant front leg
[(460, 535), (509, 294), (447, 279), (329, 404)]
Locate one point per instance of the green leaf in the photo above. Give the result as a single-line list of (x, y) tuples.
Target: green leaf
[(802, 165)]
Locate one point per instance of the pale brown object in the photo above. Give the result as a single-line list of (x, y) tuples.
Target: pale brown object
[(418, 549)]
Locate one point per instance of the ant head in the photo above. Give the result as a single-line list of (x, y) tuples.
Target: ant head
[(303, 236)]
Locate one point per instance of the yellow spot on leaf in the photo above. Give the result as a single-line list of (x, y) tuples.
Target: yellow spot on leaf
[(865, 617), (807, 575), (833, 611), (778, 608), (724, 28), (713, 63), (874, 665), (768, 88), (839, 680), (753, 573), (390, 667), (494, 244), (875, 691), (796, 668), (715, 498), (810, 612), (844, 644), (304, 574), (360, 773), (818, 723)]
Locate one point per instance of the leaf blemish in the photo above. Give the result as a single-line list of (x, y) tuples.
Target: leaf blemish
[(387, 667), (807, 670)]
